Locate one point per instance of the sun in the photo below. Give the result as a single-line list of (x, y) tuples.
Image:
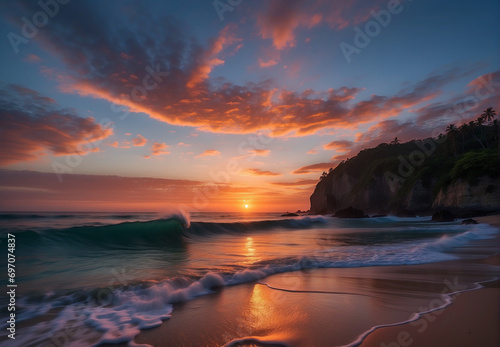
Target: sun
[(246, 205)]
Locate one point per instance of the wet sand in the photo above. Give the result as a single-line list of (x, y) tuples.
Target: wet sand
[(473, 318)]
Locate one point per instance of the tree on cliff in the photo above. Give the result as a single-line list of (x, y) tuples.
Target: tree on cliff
[(469, 153), (488, 114)]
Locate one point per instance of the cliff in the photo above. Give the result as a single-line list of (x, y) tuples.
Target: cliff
[(413, 178), (465, 199)]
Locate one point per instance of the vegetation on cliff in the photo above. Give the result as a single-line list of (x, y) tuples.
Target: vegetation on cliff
[(466, 152)]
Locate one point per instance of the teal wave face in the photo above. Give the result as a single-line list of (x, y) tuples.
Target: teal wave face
[(159, 233), (122, 235)]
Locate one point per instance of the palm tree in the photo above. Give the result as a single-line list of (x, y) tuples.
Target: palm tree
[(395, 141), (488, 114), (451, 129)]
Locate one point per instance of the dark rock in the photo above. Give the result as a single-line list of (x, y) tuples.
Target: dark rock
[(443, 216), (349, 213), (379, 215), (289, 214), (468, 221)]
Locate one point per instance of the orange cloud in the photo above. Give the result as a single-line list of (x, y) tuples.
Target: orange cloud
[(186, 96), (338, 158), (159, 149), (260, 152), (268, 63), (209, 59), (32, 125), (208, 153), (139, 141), (258, 172), (312, 151), (116, 144), (258, 107), (485, 82), (280, 21), (312, 168), (339, 146)]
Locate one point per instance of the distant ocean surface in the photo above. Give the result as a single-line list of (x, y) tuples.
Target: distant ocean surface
[(121, 272)]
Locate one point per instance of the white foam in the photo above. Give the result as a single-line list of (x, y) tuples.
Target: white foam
[(182, 216)]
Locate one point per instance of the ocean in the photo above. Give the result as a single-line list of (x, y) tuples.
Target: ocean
[(117, 274)]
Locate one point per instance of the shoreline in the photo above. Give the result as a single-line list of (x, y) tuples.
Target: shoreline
[(479, 322)]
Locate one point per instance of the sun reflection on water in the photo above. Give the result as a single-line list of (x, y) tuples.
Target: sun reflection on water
[(249, 247)]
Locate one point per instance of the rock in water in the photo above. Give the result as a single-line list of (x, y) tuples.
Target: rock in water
[(289, 214), (468, 221), (443, 216), (349, 212)]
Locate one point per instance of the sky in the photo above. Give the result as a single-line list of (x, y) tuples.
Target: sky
[(227, 105)]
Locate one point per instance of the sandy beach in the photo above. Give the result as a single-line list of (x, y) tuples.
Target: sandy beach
[(473, 319)]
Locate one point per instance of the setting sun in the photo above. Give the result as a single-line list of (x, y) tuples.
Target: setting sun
[(246, 205)]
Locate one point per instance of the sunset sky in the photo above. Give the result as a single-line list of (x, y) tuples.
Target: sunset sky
[(208, 106)]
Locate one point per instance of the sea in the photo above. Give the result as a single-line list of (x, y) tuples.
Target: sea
[(122, 273)]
